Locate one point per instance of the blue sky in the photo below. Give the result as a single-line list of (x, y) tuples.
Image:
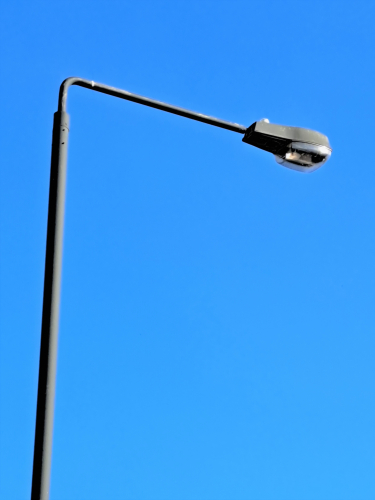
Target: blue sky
[(217, 318)]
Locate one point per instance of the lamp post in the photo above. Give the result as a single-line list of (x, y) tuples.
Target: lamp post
[(297, 148)]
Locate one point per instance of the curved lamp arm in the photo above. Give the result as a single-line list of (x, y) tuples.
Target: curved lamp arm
[(123, 94)]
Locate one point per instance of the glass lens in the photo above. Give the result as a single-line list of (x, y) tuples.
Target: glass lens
[(304, 157)]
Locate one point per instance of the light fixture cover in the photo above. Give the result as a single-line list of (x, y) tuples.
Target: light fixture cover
[(294, 147)]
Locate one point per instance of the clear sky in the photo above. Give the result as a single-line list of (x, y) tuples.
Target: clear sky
[(217, 318)]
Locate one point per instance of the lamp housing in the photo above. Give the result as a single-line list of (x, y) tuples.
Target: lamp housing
[(297, 148)]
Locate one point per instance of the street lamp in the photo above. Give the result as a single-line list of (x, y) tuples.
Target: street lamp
[(294, 147)]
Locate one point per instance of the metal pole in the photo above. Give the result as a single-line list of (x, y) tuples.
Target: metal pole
[(52, 277), (51, 306)]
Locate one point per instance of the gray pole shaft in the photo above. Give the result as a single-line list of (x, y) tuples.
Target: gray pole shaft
[(51, 306)]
